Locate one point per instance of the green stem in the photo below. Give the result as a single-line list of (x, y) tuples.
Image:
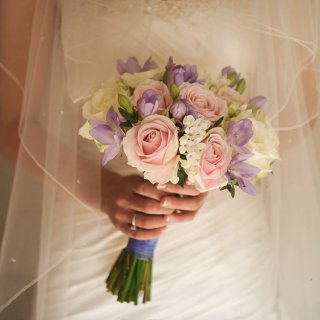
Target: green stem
[(115, 271), (128, 279)]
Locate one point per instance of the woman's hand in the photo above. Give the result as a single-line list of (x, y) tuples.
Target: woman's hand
[(154, 206), (185, 201), (124, 197)]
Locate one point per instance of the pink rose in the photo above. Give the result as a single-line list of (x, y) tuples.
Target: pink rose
[(230, 95), (204, 101), (214, 162), (159, 88), (152, 146)]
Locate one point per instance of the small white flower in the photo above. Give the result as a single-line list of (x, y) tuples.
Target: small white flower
[(191, 143)]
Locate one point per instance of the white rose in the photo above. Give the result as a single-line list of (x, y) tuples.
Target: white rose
[(102, 99)]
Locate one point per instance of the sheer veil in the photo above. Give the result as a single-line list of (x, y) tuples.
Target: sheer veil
[(75, 44)]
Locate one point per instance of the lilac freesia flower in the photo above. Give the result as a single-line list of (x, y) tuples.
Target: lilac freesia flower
[(108, 133), (178, 73), (239, 133), (241, 171), (180, 108), (148, 103), (132, 66), (228, 71), (256, 102)]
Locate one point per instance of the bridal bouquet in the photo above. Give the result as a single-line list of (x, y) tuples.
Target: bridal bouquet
[(175, 127)]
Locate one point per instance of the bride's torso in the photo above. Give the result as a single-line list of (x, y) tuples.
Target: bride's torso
[(218, 266)]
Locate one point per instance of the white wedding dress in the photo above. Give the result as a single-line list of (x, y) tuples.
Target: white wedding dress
[(238, 258)]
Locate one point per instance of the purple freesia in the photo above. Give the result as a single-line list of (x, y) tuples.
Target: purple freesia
[(257, 102), (178, 73), (108, 133), (148, 103), (180, 108), (132, 66), (241, 171), (228, 71), (239, 133)]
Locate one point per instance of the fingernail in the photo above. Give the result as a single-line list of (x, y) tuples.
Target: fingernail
[(166, 203), (161, 186), (167, 219), (178, 211)]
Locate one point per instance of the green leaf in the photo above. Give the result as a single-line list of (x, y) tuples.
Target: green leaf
[(230, 188), (165, 75), (135, 117), (126, 114), (126, 126), (232, 77), (130, 117), (125, 103), (241, 86), (181, 175), (216, 124), (174, 91)]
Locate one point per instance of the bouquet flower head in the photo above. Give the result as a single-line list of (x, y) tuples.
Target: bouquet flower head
[(174, 127)]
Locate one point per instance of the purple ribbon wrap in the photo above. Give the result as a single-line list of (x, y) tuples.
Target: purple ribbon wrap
[(142, 249)]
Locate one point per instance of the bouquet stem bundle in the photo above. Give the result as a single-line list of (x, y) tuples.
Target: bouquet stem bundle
[(131, 274)]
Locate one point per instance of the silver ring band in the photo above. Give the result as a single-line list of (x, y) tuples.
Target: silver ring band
[(133, 223)]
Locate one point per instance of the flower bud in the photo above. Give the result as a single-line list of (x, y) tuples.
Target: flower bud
[(178, 109)]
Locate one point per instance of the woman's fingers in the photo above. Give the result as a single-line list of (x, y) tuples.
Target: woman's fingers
[(187, 190), (144, 221), (142, 204), (184, 216), (139, 234), (185, 203), (146, 189)]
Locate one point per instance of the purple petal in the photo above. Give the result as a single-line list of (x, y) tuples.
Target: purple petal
[(170, 63), (246, 186), (257, 102), (119, 135), (245, 170), (241, 150), (149, 65), (131, 66), (227, 70), (121, 67), (103, 134), (192, 112), (179, 79), (242, 157), (178, 109), (239, 133), (148, 103), (112, 117), (94, 122), (110, 153)]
